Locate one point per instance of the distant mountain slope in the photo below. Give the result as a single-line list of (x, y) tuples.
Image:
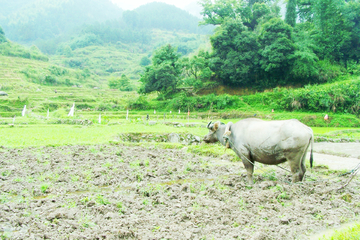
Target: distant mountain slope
[(115, 59), (7, 6), (8, 48), (164, 16), (27, 21)]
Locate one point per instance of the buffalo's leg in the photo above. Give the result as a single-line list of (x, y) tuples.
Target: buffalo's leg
[(249, 166), (303, 169), (296, 174), (297, 167), (302, 164)]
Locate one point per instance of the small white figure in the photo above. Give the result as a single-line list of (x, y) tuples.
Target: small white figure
[(23, 111), (72, 110)]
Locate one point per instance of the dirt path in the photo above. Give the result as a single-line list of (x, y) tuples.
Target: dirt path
[(333, 155), (346, 149), (335, 162)]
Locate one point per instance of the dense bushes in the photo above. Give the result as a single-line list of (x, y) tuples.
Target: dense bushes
[(204, 103), (122, 83), (337, 97), (198, 103), (343, 97)]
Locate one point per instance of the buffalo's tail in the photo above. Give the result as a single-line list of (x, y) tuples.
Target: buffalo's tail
[(311, 151)]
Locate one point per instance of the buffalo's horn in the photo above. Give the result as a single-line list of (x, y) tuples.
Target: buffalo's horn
[(208, 126)]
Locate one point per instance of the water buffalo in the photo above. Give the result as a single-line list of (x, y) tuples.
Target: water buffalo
[(267, 142)]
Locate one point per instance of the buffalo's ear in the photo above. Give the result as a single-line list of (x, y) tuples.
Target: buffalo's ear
[(216, 126)]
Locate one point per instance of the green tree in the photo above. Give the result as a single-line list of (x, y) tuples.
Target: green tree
[(305, 68), (290, 16), (235, 57), (166, 54), (122, 83), (113, 83), (277, 51), (331, 32), (67, 51), (2, 36), (251, 12), (216, 13), (351, 51), (305, 10), (145, 61), (257, 13), (196, 70), (163, 75)]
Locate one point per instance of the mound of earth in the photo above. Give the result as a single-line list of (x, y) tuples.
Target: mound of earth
[(116, 192)]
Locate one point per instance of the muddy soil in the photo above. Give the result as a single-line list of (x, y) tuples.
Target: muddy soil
[(122, 192)]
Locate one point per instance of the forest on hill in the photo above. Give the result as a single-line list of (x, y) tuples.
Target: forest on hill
[(81, 23), (28, 21), (253, 47)]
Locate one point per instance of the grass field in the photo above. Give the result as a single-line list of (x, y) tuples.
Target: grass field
[(61, 134), (30, 131)]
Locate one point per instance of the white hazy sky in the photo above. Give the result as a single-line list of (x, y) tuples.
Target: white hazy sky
[(132, 4)]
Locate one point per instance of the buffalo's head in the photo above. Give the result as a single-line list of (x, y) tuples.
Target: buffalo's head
[(212, 137)]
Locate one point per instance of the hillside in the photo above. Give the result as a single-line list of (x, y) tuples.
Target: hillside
[(105, 48), (28, 68), (121, 58), (19, 79), (8, 48)]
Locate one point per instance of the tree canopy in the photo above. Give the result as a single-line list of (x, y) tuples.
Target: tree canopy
[(122, 83), (253, 46), (163, 75)]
